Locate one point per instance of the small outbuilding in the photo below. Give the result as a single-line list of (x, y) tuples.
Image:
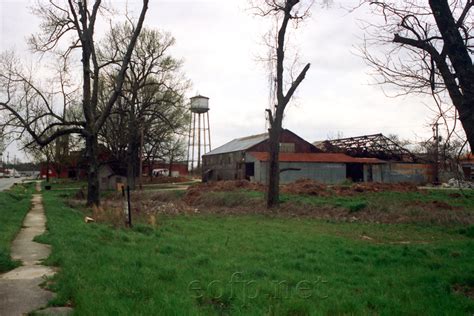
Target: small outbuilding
[(110, 177)]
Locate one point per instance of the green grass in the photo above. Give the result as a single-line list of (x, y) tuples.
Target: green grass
[(279, 266), (65, 184), (14, 204)]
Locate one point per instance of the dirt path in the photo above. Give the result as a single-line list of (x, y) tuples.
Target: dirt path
[(20, 292)]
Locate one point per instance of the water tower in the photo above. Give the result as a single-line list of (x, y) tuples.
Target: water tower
[(199, 141)]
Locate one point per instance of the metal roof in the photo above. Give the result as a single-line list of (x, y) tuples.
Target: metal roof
[(317, 157), (239, 144)]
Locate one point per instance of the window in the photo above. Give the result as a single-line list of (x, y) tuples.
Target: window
[(287, 147)]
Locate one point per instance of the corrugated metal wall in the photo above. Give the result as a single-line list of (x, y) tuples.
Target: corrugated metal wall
[(407, 172), (231, 166), (330, 173)]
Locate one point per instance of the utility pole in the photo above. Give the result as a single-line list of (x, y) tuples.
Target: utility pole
[(436, 153)]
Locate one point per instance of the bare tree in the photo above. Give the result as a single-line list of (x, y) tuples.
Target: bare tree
[(428, 48), (65, 27), (161, 142), (284, 11), (153, 91), (172, 149)]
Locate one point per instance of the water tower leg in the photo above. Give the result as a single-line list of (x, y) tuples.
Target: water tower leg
[(189, 141), (209, 131), (194, 141), (204, 134), (199, 141)]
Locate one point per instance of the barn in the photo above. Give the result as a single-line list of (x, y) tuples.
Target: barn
[(247, 158)]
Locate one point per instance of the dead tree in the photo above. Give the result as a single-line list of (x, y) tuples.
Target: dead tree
[(428, 48), (66, 26), (287, 11)]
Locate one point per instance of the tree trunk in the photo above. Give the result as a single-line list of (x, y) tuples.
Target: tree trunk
[(170, 165), (130, 167), (93, 194), (150, 169), (132, 148), (273, 189), (467, 121), (132, 163), (276, 119), (47, 169), (458, 52)]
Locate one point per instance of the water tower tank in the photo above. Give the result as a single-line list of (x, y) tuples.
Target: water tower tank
[(199, 104)]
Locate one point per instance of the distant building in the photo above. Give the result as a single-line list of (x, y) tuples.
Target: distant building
[(111, 176), (467, 164), (247, 158)]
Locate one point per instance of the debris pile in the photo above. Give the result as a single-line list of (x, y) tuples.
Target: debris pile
[(194, 192), (307, 187), (456, 183), (311, 187)]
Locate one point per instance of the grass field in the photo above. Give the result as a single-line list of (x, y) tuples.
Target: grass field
[(254, 265), (14, 204)]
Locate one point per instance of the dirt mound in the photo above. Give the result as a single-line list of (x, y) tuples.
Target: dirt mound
[(307, 187), (234, 185), (194, 192), (229, 185), (311, 187), (372, 187)]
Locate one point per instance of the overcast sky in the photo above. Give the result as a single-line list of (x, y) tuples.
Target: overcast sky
[(220, 41)]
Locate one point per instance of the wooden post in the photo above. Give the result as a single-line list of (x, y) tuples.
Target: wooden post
[(129, 207)]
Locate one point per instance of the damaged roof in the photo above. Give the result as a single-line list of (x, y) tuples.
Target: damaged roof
[(239, 144), (317, 157), (373, 146)]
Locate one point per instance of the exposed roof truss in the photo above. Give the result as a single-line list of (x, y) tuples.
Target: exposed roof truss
[(373, 146)]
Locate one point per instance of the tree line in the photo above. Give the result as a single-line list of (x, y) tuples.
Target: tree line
[(131, 94)]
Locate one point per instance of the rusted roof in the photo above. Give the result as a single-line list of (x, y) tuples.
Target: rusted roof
[(317, 157), (467, 158)]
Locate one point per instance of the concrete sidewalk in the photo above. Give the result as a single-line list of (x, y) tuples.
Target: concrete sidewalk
[(20, 290)]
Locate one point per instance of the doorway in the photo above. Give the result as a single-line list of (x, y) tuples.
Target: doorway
[(355, 172), (249, 170)]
